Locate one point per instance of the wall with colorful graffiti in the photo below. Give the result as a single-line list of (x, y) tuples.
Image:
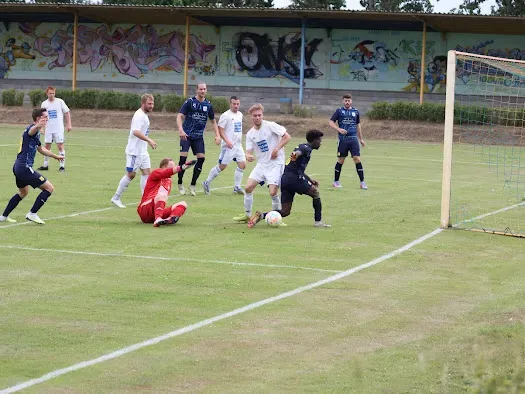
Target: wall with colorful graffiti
[(271, 57), (232, 55), (124, 53)]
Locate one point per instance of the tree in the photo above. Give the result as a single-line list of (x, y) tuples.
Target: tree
[(509, 8), (502, 8), (320, 4), (469, 7), (398, 5)]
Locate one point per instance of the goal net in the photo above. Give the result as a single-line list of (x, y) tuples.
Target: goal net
[(484, 145)]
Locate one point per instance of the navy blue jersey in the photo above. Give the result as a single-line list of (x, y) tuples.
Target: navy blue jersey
[(27, 149), (346, 119), (298, 167), (196, 115)]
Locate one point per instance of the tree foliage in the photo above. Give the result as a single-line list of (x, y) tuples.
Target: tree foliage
[(502, 7), (321, 4), (398, 5)]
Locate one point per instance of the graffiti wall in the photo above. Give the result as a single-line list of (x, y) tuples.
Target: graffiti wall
[(387, 60), (124, 53), (272, 57), (340, 59)]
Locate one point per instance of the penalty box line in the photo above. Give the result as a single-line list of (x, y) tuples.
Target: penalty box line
[(203, 323), (132, 256)]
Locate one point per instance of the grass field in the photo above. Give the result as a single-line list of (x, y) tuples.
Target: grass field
[(445, 314)]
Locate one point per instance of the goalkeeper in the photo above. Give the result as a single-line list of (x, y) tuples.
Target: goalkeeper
[(152, 208)]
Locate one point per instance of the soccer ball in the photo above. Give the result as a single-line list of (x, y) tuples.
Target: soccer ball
[(274, 219)]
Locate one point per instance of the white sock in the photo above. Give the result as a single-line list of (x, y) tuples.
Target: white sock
[(213, 173), (46, 161), (248, 203), (123, 185), (63, 161), (237, 177), (143, 181), (276, 202)]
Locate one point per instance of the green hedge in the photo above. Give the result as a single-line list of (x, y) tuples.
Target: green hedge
[(400, 110), (432, 112), (12, 98), (104, 99)]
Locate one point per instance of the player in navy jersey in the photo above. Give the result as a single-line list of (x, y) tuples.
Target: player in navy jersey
[(294, 180), (195, 113), (350, 136), (25, 176)]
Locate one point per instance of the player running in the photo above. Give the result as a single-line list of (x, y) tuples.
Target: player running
[(267, 140), (25, 176), (230, 129), (195, 112), (294, 180)]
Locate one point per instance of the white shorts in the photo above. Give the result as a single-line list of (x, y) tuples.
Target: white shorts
[(133, 163), (57, 138), (271, 174), (227, 155)]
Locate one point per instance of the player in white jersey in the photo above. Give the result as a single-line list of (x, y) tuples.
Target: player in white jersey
[(56, 110), (137, 156), (267, 140), (230, 129)]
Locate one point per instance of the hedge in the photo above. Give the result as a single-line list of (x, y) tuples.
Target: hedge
[(104, 99), (12, 98), (435, 112)]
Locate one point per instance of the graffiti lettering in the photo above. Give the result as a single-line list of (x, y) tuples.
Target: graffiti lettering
[(262, 58)]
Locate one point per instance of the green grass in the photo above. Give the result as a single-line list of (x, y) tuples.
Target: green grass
[(444, 316)]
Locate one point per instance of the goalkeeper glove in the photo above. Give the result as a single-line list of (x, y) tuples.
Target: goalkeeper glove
[(188, 164)]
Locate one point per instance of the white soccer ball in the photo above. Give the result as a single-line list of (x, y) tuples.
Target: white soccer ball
[(274, 219)]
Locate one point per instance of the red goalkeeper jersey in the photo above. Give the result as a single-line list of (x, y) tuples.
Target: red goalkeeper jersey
[(158, 177)]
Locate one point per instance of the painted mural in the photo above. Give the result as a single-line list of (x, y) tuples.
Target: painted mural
[(340, 59), (389, 58), (132, 52), (262, 56)]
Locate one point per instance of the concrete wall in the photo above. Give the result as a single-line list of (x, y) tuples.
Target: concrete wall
[(258, 62)]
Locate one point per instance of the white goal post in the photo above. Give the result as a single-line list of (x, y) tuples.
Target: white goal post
[(485, 114)]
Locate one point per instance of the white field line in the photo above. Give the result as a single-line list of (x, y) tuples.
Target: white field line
[(94, 211), (203, 323), (403, 159), (132, 256), (491, 213)]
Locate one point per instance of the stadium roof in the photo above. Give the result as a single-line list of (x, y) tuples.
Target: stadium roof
[(268, 17)]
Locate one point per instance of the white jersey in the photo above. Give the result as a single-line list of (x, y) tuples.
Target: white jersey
[(231, 122), (140, 122), (264, 141), (55, 112)]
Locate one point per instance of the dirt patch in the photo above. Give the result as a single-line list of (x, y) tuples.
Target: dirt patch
[(372, 129)]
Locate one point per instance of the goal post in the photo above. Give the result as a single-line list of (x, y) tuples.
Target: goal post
[(447, 139), (483, 182)]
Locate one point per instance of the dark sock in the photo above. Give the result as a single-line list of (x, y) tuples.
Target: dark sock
[(40, 200), (337, 174), (360, 172), (13, 202), (197, 170), (182, 160), (317, 209)]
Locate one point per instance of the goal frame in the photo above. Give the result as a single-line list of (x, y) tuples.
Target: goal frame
[(448, 135)]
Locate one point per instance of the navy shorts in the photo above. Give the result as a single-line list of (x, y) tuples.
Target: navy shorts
[(292, 185), (26, 176), (196, 145), (348, 145)]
